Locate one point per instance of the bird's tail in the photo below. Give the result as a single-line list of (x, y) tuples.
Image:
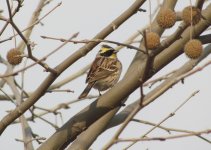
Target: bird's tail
[(86, 90)]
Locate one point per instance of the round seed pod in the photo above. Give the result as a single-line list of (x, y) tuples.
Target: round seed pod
[(186, 15), (153, 40), (166, 18), (193, 49), (14, 57)]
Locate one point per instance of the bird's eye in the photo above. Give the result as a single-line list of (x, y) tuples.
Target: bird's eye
[(106, 53)]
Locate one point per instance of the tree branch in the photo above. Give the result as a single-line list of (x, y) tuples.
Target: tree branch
[(64, 65)]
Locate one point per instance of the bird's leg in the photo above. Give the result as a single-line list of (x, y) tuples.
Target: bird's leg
[(99, 93), (122, 104)]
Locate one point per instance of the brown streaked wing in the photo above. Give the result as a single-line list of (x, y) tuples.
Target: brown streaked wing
[(94, 66), (101, 68)]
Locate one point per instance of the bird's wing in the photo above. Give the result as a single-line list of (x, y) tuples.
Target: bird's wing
[(101, 68)]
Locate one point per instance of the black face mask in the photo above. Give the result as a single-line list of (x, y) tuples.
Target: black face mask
[(107, 53)]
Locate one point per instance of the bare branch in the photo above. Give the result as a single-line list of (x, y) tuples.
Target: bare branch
[(40, 60), (166, 118), (167, 137), (95, 40)]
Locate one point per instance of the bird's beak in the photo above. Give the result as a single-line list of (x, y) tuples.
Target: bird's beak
[(116, 51)]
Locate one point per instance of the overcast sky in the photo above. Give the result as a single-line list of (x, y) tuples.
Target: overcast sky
[(88, 18)]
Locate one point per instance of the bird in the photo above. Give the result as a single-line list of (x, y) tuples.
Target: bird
[(104, 72)]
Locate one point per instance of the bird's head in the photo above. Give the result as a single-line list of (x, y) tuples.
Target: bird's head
[(108, 51)]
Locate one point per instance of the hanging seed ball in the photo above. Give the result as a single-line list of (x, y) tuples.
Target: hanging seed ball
[(153, 40), (14, 56), (186, 15), (193, 49), (166, 18)]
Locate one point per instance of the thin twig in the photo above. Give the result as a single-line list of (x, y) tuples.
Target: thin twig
[(34, 139), (55, 109), (48, 122), (114, 139), (7, 95), (166, 118), (167, 137), (150, 16), (164, 77), (13, 14), (27, 43), (167, 129), (60, 90), (95, 40), (193, 71), (33, 24), (40, 60), (70, 78)]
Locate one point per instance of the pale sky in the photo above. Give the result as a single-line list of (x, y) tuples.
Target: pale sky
[(88, 18)]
